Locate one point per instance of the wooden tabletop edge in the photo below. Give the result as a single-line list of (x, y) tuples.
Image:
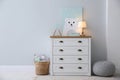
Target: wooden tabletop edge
[(70, 36)]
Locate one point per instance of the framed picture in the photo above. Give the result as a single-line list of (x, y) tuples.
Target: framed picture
[(72, 17), (70, 27)]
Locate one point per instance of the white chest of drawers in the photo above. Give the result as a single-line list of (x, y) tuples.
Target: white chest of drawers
[(71, 55)]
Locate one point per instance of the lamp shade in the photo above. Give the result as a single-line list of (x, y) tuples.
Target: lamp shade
[(83, 24)]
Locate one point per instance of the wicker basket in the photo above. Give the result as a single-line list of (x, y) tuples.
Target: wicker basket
[(42, 68)]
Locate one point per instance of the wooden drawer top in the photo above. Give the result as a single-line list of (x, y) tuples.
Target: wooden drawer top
[(70, 36)]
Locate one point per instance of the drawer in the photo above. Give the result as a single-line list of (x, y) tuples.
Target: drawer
[(70, 67), (70, 42), (70, 59), (70, 50)]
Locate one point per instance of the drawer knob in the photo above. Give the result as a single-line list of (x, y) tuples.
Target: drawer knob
[(79, 41), (61, 67), (79, 67), (60, 41), (61, 50), (79, 50), (61, 58), (79, 58)]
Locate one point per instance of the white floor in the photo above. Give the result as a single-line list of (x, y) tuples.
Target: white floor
[(27, 73), (74, 78)]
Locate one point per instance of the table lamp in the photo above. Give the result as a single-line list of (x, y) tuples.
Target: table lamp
[(83, 27)]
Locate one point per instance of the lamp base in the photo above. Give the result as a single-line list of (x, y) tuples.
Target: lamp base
[(83, 32), (82, 35)]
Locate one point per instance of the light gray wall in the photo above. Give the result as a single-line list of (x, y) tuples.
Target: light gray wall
[(25, 27), (113, 32), (96, 18)]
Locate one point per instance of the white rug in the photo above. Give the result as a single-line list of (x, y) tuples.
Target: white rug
[(75, 78)]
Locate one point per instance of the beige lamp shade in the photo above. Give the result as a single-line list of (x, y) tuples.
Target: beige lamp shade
[(81, 27), (82, 24)]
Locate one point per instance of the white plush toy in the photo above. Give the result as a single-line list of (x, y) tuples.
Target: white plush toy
[(70, 26)]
